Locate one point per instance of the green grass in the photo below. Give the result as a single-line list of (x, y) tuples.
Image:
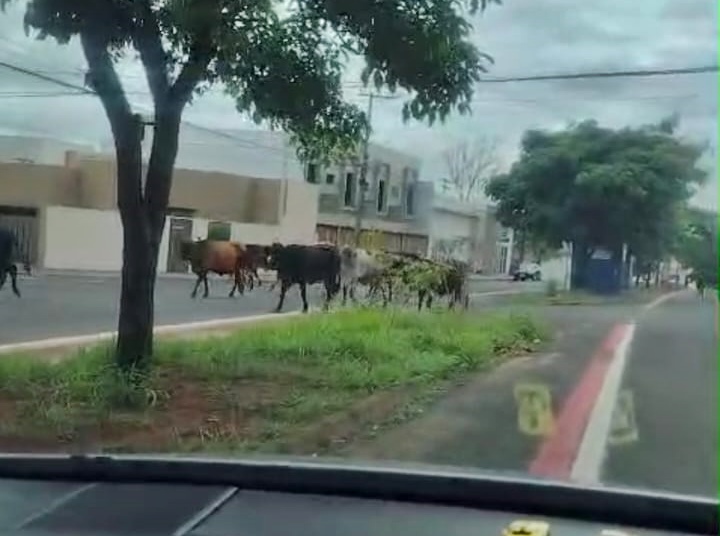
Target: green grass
[(276, 380)]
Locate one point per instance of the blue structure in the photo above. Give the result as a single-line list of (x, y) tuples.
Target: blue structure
[(602, 273)]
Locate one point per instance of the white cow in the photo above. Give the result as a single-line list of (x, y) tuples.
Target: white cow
[(357, 266)]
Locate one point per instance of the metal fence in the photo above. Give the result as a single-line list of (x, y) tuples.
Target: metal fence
[(25, 227)]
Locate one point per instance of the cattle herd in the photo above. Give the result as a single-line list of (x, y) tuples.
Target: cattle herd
[(385, 275), (341, 270)]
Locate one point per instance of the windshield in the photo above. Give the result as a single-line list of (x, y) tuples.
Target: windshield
[(457, 233)]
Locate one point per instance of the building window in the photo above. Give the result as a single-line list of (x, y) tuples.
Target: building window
[(383, 179), (381, 196), (350, 189), (330, 178), (410, 199), (218, 230), (311, 173)]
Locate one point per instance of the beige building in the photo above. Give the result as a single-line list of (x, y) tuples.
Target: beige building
[(394, 204), (66, 216)]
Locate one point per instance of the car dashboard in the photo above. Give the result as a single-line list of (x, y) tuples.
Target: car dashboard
[(271, 499)]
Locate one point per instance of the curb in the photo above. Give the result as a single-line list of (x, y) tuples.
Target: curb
[(79, 341), (96, 274)]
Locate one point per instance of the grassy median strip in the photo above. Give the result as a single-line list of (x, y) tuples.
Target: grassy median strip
[(298, 386)]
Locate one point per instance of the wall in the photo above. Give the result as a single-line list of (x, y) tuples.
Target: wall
[(89, 239), (36, 185), (473, 228), (452, 234), (558, 268), (254, 153), (81, 239)]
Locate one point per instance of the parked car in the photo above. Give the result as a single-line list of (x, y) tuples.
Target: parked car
[(528, 271)]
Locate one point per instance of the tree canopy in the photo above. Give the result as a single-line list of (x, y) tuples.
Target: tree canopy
[(282, 61), (697, 244), (600, 187)]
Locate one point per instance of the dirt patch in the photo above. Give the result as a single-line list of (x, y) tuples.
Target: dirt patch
[(341, 428), (182, 411)]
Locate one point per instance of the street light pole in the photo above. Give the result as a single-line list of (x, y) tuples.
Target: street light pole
[(363, 184)]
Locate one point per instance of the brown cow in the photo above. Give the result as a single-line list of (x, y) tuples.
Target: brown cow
[(219, 256), (253, 259)]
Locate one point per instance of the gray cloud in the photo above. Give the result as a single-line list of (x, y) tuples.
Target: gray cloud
[(523, 36)]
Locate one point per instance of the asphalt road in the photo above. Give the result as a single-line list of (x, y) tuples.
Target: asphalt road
[(672, 376), (65, 305), (671, 372)]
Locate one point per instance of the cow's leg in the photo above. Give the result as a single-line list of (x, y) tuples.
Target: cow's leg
[(421, 299), (193, 294), (303, 295), (428, 303), (205, 281), (13, 279), (329, 288), (240, 281), (235, 284), (284, 285), (3, 277), (344, 292)]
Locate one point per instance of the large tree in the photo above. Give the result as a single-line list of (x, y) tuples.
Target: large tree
[(281, 61), (697, 244), (599, 188)]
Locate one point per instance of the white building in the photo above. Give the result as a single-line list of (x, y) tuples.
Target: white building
[(469, 232)]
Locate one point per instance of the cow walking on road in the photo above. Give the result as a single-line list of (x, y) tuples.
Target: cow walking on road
[(359, 266), (8, 252), (302, 265), (222, 257)]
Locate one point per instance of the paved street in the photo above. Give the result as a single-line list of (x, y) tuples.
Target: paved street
[(671, 372), (672, 375), (64, 305)]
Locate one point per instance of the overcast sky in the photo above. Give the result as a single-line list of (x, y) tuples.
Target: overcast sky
[(524, 37)]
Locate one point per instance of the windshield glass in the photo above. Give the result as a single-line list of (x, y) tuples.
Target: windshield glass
[(454, 232)]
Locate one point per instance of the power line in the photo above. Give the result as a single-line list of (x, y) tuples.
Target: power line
[(605, 74)]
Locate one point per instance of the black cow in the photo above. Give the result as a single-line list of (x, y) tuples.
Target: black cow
[(8, 253), (305, 265)]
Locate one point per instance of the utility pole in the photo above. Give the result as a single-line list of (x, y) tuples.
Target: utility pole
[(363, 182), (363, 185)]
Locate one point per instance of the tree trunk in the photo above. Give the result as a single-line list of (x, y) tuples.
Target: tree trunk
[(142, 206), (137, 302)]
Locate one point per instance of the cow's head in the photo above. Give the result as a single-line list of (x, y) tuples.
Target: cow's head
[(271, 254), (186, 250), (348, 253)]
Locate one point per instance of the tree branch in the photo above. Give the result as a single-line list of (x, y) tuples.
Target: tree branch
[(147, 41), (104, 80), (191, 74)]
